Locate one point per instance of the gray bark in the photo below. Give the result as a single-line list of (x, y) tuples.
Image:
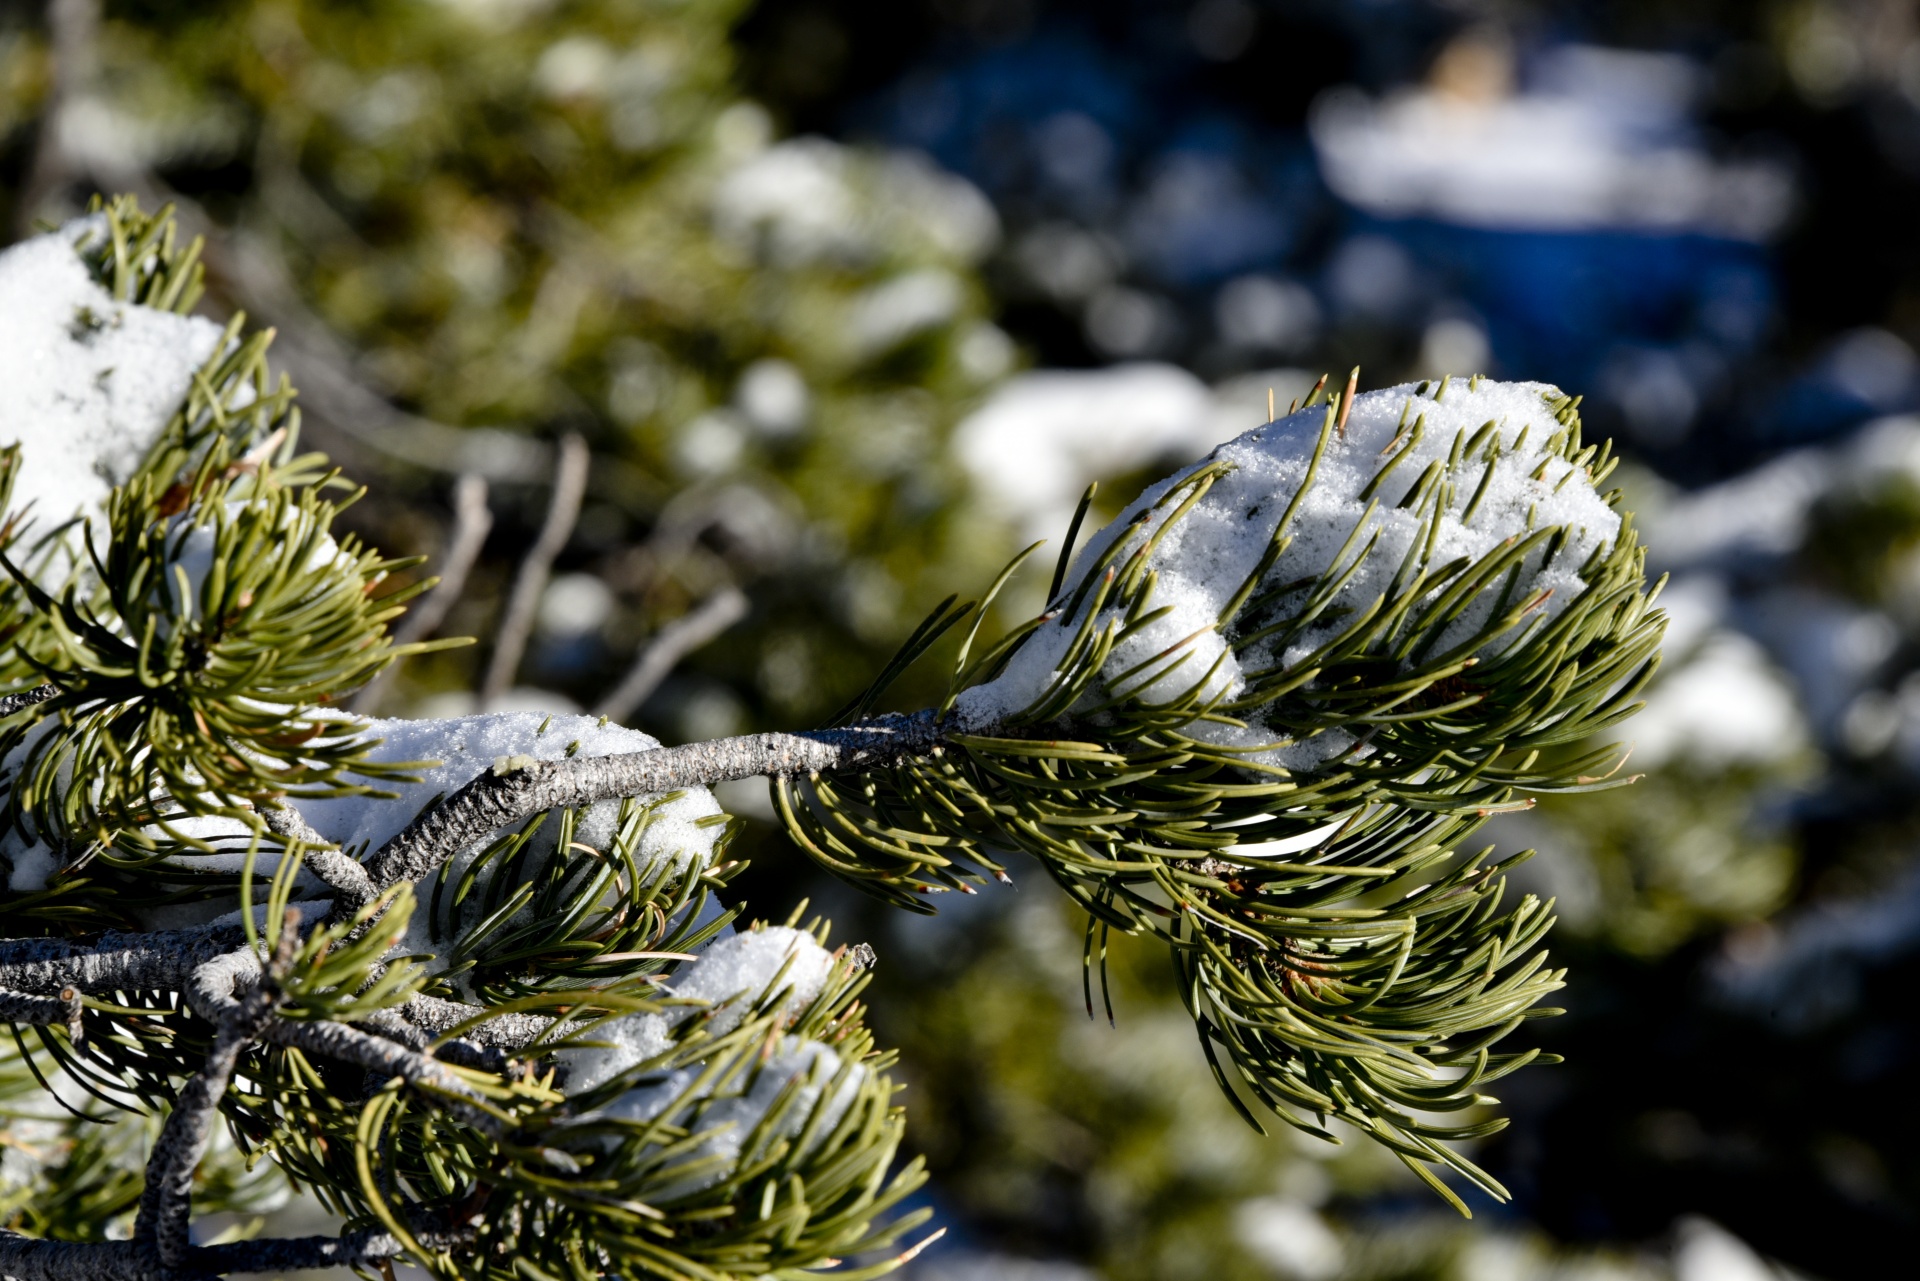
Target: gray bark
[(563, 513), (494, 800), (346, 876), (26, 698), (166, 1204), (28, 1259), (160, 961), (705, 622)]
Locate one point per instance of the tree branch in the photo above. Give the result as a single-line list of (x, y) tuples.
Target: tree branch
[(31, 1259), (118, 962), (496, 798), (563, 512), (27, 698), (434, 1017), (210, 992), (166, 1203), (345, 875), (73, 27), (669, 645), (17, 1007)]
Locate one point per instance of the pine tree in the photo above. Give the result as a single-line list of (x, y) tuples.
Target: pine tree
[(472, 981)]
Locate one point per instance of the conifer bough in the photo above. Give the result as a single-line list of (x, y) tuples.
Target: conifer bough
[(470, 981)]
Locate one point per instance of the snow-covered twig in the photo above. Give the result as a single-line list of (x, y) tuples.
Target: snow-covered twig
[(563, 512), (505, 796), (675, 641)]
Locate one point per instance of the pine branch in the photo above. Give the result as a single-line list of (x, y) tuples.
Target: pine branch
[(346, 876), (227, 990)]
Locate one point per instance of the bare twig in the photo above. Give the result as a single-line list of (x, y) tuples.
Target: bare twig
[(33, 1259), (17, 1007), (29, 1259), (117, 962), (472, 520), (73, 27), (670, 644), (497, 798), (435, 1017), (345, 875), (563, 511)]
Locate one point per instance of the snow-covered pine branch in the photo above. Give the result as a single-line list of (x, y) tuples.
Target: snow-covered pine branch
[(477, 972)]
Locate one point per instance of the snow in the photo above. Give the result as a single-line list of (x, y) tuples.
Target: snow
[(1289, 1237), (774, 397), (574, 605), (726, 1119), (1204, 558), (734, 973), (1760, 514), (898, 309), (1705, 1251), (87, 381), (733, 976), (32, 866)]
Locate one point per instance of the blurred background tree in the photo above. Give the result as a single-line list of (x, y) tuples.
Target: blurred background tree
[(776, 265)]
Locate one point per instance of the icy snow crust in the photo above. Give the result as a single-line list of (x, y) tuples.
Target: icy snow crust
[(86, 383), (1207, 555)]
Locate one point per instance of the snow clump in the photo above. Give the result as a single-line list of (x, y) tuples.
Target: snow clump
[(88, 382), (742, 1105), (734, 976), (1204, 558)]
